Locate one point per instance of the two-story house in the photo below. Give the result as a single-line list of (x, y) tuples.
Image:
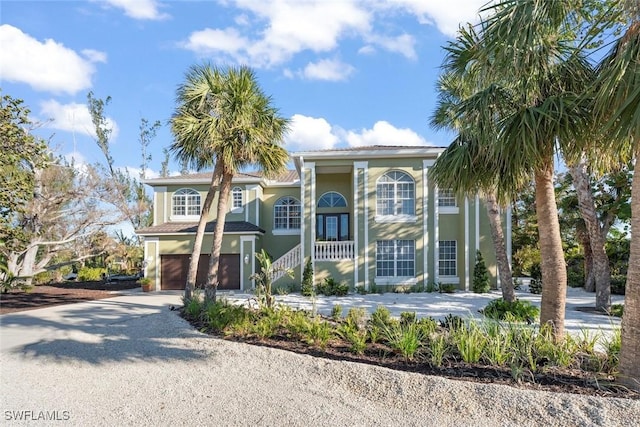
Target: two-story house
[(363, 215)]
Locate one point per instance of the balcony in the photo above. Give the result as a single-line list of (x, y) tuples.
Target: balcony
[(334, 251)]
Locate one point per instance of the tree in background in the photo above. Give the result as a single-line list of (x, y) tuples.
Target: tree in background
[(223, 114)]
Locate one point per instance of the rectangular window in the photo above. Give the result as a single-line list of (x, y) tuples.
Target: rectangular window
[(236, 195), (395, 258), (446, 198), (447, 258)]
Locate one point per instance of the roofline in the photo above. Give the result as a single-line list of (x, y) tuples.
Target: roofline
[(261, 181), (182, 233), (355, 153)]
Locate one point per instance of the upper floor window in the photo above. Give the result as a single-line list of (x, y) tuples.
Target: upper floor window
[(286, 214), (395, 194), (186, 202), (446, 198), (332, 200), (236, 198)]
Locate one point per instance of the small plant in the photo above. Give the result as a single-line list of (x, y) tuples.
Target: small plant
[(617, 310), (319, 332), (417, 288), (431, 288), (375, 289), (306, 287), (480, 275), (264, 279), (520, 311), (355, 337), (407, 317), (91, 274), (406, 338), (438, 347), (282, 290), (336, 312), (452, 322), (612, 349), (470, 341), (517, 284), (360, 289), (193, 308), (356, 317), (447, 288)]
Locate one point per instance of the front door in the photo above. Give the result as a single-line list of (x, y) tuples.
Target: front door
[(332, 227)]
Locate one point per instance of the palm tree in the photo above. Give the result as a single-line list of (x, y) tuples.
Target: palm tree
[(465, 166), (527, 72), (224, 115), (617, 102)]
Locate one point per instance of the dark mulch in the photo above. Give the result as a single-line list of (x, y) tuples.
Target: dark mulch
[(573, 381), (60, 293)]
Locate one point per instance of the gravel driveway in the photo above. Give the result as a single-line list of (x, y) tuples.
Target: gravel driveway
[(131, 361)]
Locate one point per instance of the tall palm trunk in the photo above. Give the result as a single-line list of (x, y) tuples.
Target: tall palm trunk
[(502, 260), (554, 271), (192, 274), (630, 351), (211, 287), (601, 270)]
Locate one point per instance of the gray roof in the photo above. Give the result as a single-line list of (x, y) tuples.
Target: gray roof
[(191, 227)]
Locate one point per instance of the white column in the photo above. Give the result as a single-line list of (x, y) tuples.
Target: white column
[(425, 220), (355, 224), (467, 271), (436, 236), (312, 195), (509, 225), (477, 239), (252, 259), (302, 214)]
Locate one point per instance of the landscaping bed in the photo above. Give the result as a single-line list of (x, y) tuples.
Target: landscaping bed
[(60, 293), (528, 360)]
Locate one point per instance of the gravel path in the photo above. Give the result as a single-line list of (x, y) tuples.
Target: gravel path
[(149, 367)]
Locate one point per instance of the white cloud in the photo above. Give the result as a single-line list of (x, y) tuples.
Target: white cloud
[(446, 15), (95, 55), (45, 66), (288, 27), (140, 9), (403, 44), (73, 118), (367, 50), (310, 133), (384, 133), (328, 69)]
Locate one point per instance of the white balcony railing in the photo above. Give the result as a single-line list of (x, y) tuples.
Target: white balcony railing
[(334, 251)]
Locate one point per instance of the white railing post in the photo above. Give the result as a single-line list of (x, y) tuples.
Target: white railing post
[(334, 251), (287, 261)]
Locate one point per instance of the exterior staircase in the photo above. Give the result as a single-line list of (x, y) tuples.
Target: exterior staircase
[(290, 260)]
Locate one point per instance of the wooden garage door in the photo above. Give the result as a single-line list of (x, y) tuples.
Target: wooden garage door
[(174, 271)]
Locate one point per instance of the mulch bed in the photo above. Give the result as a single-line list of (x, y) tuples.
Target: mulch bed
[(60, 293), (573, 381)]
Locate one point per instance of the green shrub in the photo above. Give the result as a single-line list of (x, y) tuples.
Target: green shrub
[(381, 316), (438, 347), (618, 284), (447, 288), (221, 314), (331, 286), (356, 317), (406, 338), (357, 338), (319, 333), (360, 289), (91, 274), (480, 275), (452, 322), (535, 286), (617, 310), (407, 317), (306, 287), (402, 289), (521, 311), (431, 287), (470, 342)]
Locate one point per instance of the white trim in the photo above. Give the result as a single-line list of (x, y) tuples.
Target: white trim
[(192, 233), (436, 237), (387, 281), (184, 218), (355, 225), (303, 261), (156, 255), (364, 165), (477, 223), (286, 231), (467, 271), (312, 168), (396, 218), (449, 210), (367, 152), (425, 221)]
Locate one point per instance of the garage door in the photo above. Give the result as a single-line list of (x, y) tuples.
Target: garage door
[(174, 271)]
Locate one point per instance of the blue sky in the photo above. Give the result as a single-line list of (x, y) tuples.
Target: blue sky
[(347, 73)]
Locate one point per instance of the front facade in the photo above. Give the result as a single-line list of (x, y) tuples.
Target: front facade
[(368, 216)]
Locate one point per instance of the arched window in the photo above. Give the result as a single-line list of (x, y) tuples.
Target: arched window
[(332, 200), (236, 198), (395, 194), (286, 214), (186, 202)]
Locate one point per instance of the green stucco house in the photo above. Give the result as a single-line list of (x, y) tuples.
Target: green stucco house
[(363, 215)]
